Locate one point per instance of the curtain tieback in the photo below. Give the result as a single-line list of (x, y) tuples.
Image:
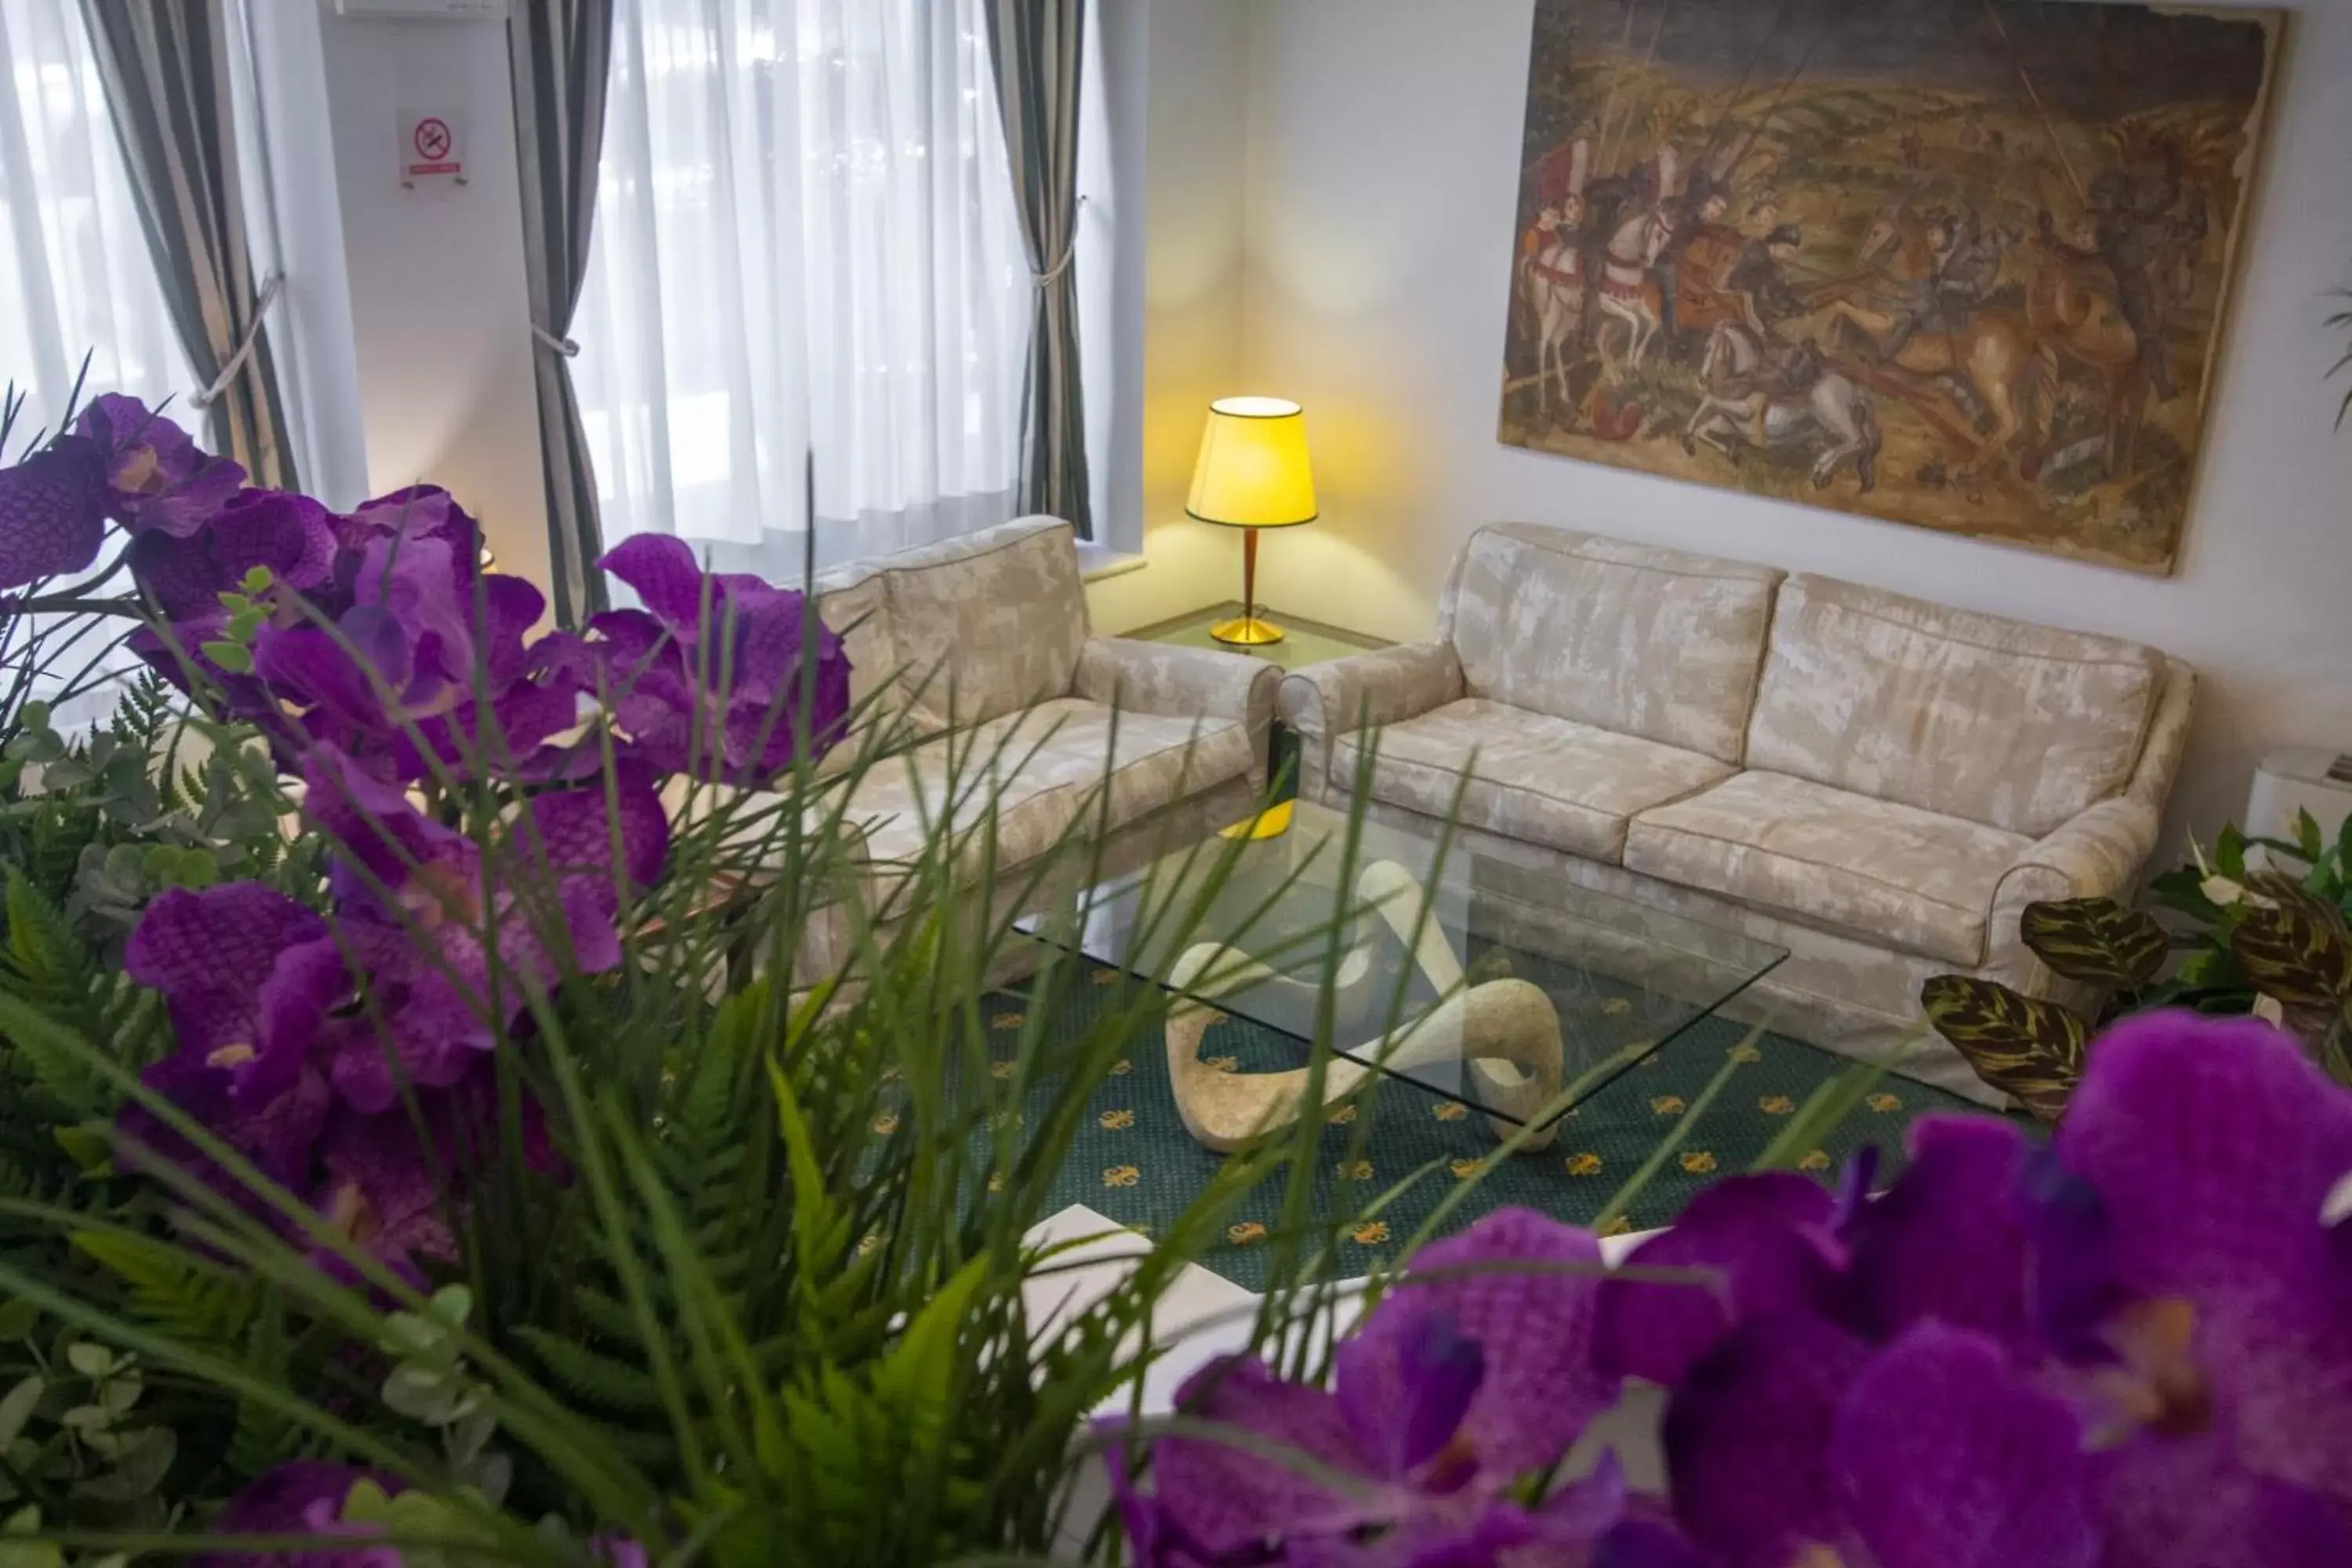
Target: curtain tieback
[(564, 346), (236, 367), (1052, 275)]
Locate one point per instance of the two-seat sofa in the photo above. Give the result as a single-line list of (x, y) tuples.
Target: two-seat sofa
[(1878, 784), (975, 662)]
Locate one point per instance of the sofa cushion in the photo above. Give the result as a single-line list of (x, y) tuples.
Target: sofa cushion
[(2003, 722), (1644, 641), (1044, 768), (1890, 874), (986, 625), (1152, 760), (855, 603), (1554, 782)]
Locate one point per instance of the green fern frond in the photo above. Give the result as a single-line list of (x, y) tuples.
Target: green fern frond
[(165, 1290), (591, 1376), (45, 965)]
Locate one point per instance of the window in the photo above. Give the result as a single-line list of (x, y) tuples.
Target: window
[(75, 279), (75, 273), (805, 241)]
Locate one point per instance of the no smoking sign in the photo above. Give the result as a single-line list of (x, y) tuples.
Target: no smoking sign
[(431, 146)]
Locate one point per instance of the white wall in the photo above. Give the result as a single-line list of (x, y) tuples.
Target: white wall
[(1195, 138), (311, 331), (440, 318), (1381, 173)]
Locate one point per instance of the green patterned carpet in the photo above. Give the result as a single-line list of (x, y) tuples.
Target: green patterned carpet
[(1134, 1162)]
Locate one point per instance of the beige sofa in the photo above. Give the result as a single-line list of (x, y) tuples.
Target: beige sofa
[(1878, 784), (975, 661)]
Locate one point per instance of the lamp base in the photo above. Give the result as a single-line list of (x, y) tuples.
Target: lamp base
[(1246, 631), (1271, 823)]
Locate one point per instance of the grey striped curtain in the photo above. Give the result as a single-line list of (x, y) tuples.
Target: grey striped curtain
[(1037, 47), (164, 64), (560, 51)]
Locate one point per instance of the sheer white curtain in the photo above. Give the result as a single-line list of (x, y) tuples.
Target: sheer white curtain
[(804, 241), (75, 277), (75, 273)]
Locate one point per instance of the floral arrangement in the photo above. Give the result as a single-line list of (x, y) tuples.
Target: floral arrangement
[(2131, 1348), (387, 671), (410, 1142), (411, 1138)]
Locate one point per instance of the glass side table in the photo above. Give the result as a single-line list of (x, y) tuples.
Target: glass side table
[(1305, 642)]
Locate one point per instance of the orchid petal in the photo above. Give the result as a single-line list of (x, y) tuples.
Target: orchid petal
[(52, 516), (1765, 1235), (1521, 1287), (1948, 1458)]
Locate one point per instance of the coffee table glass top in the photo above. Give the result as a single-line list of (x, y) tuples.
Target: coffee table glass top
[(1451, 968)]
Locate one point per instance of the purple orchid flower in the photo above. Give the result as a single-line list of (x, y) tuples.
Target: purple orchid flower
[(1794, 1440), (708, 678), (2192, 1265), (440, 939), (1851, 1392), (1770, 1239), (278, 1135), (382, 1192), (2131, 1350), (185, 574), (303, 1496), (52, 511), (157, 480), (393, 1190), (1474, 1370), (419, 513), (403, 676), (248, 973)]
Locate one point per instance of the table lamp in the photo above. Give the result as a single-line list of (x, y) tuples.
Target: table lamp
[(1253, 474)]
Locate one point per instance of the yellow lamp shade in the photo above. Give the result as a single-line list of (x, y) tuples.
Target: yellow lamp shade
[(1253, 471)]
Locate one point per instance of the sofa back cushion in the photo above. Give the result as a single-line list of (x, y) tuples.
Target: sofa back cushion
[(854, 601), (1631, 638), (989, 624), (2017, 726)]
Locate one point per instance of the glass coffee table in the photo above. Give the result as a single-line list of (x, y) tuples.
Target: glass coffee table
[(1466, 976)]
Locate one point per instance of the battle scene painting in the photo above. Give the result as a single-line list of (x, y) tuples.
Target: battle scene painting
[(1956, 263)]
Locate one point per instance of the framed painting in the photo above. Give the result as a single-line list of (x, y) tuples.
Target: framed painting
[(1961, 264)]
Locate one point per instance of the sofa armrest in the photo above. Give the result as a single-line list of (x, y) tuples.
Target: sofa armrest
[(1364, 690), (2096, 854), (1182, 683), (2168, 737)]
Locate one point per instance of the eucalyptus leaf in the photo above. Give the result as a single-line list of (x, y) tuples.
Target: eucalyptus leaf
[(233, 657), (17, 1407), (90, 1359), (141, 1461), (423, 1394)]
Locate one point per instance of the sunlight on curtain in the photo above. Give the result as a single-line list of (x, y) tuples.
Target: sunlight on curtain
[(804, 239), (76, 276), (75, 273)]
